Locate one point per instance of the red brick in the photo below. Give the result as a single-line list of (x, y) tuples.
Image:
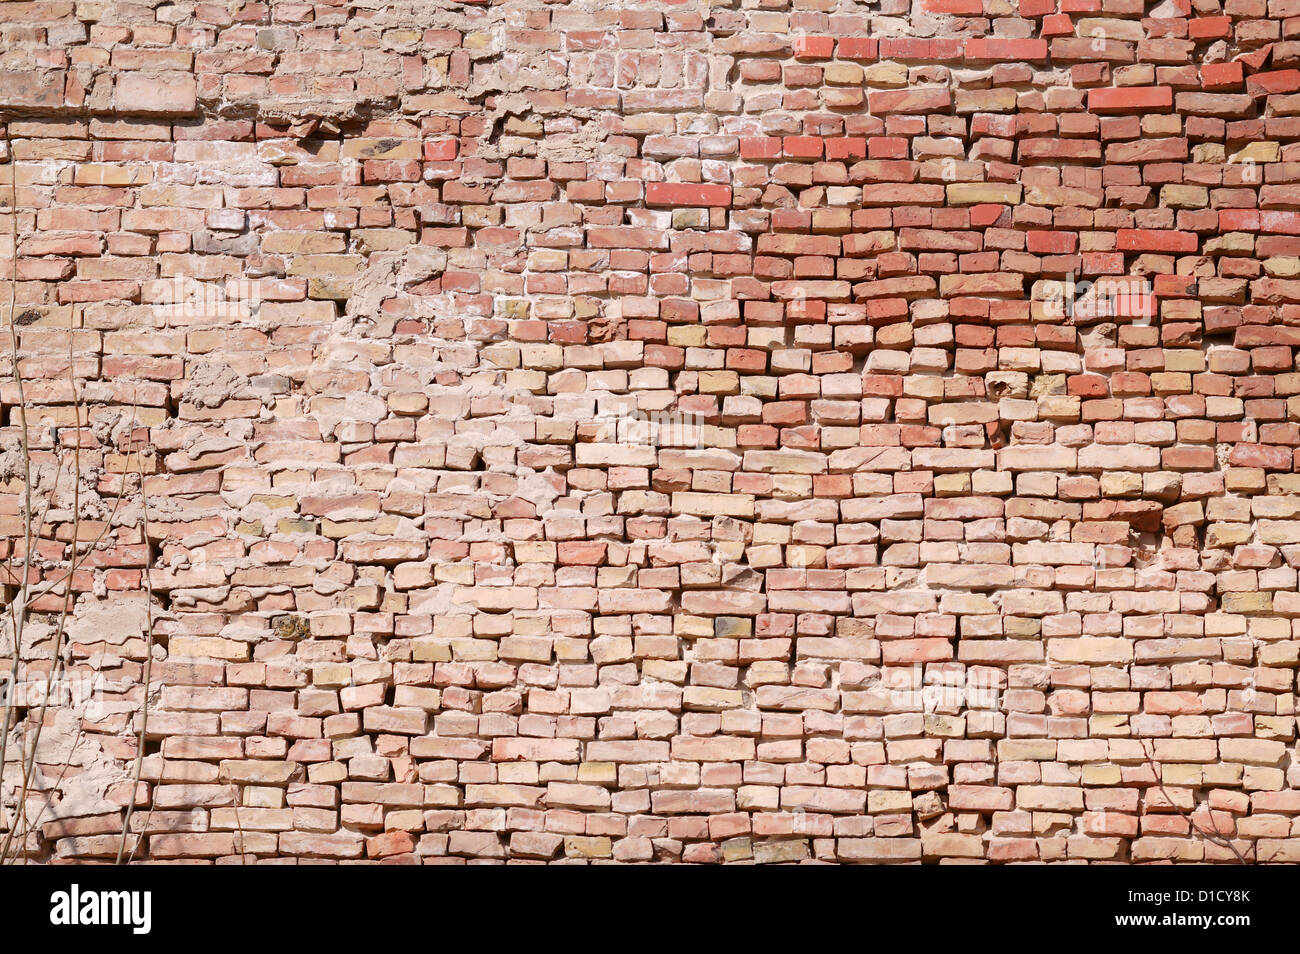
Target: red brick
[(857, 48), (955, 8), (1153, 240), (814, 47), (997, 48), (852, 147), (440, 150), (1277, 81), (1052, 243), (760, 147), (802, 147), (1209, 28), (1217, 76), (687, 193), (1125, 99)]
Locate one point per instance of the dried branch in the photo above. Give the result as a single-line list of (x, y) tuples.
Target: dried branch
[(57, 663), (18, 606), (148, 658), (243, 842), (63, 771), (1211, 836), (28, 592)]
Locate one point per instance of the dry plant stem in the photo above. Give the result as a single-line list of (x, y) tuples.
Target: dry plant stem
[(148, 660), (63, 772), (21, 800), (18, 606), (148, 818), (1211, 836), (243, 842), (78, 560), (57, 662)]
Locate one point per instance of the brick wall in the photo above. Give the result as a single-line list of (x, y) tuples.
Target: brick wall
[(674, 431)]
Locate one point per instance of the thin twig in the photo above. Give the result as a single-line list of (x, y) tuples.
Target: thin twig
[(63, 771), (18, 615), (243, 842), (148, 656), (1213, 837), (57, 662), (77, 560)]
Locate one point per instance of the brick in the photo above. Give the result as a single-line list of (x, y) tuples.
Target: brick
[(683, 193), (27, 90), (1152, 240), (165, 93), (814, 47), (1219, 76), (997, 48), (1138, 99)]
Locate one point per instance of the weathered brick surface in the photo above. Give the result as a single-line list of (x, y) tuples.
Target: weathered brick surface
[(852, 431)]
